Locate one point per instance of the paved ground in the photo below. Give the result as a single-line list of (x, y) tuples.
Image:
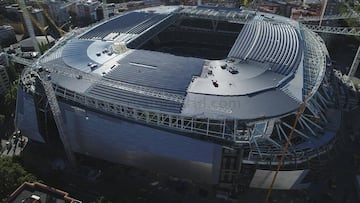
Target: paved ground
[(12, 146)]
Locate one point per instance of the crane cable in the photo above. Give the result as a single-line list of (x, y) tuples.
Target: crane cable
[(285, 149)]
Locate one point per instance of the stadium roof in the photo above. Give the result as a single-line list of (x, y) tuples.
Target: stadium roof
[(262, 76)]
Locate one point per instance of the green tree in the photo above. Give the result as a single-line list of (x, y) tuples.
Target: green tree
[(44, 46), (102, 199), (12, 175), (10, 99), (11, 71)]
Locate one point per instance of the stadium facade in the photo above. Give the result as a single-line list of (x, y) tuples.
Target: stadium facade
[(204, 93)]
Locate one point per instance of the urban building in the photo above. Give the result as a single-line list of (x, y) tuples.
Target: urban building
[(38, 192), (206, 93), (85, 9), (7, 36), (56, 9), (36, 15), (28, 45)]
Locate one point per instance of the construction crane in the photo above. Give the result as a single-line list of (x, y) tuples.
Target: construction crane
[(45, 79), (38, 25), (323, 12), (35, 22), (285, 149), (68, 4), (61, 32), (352, 10), (355, 64), (354, 31), (328, 17), (29, 25), (245, 2), (56, 112)]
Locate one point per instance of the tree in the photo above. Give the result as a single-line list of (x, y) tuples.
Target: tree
[(102, 199), (44, 46), (10, 99), (12, 175), (11, 71)]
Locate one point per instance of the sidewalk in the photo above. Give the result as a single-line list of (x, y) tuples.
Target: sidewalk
[(13, 146)]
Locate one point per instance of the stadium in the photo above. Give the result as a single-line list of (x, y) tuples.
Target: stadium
[(205, 93)]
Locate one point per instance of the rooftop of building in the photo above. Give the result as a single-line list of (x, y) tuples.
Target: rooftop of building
[(38, 192)]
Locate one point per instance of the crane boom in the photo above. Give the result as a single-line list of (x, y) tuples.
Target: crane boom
[(354, 31), (55, 109), (328, 17), (285, 149), (61, 32), (29, 25), (355, 64)]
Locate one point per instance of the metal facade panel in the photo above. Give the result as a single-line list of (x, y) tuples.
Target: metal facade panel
[(269, 42), (285, 180), (270, 103), (26, 119), (164, 72), (133, 22), (236, 85), (158, 70), (133, 99), (75, 54), (133, 144)]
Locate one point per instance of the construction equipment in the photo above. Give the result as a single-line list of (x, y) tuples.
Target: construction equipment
[(55, 109), (355, 64), (45, 79), (28, 24), (245, 2), (34, 21), (354, 31), (285, 149), (323, 12), (328, 17), (68, 4), (61, 32)]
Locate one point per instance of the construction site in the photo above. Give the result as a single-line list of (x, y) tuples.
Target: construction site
[(229, 97)]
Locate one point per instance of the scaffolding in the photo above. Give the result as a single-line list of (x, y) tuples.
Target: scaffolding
[(29, 25), (56, 112)]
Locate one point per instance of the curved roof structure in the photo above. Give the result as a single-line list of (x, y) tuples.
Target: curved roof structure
[(232, 77), (266, 71)]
